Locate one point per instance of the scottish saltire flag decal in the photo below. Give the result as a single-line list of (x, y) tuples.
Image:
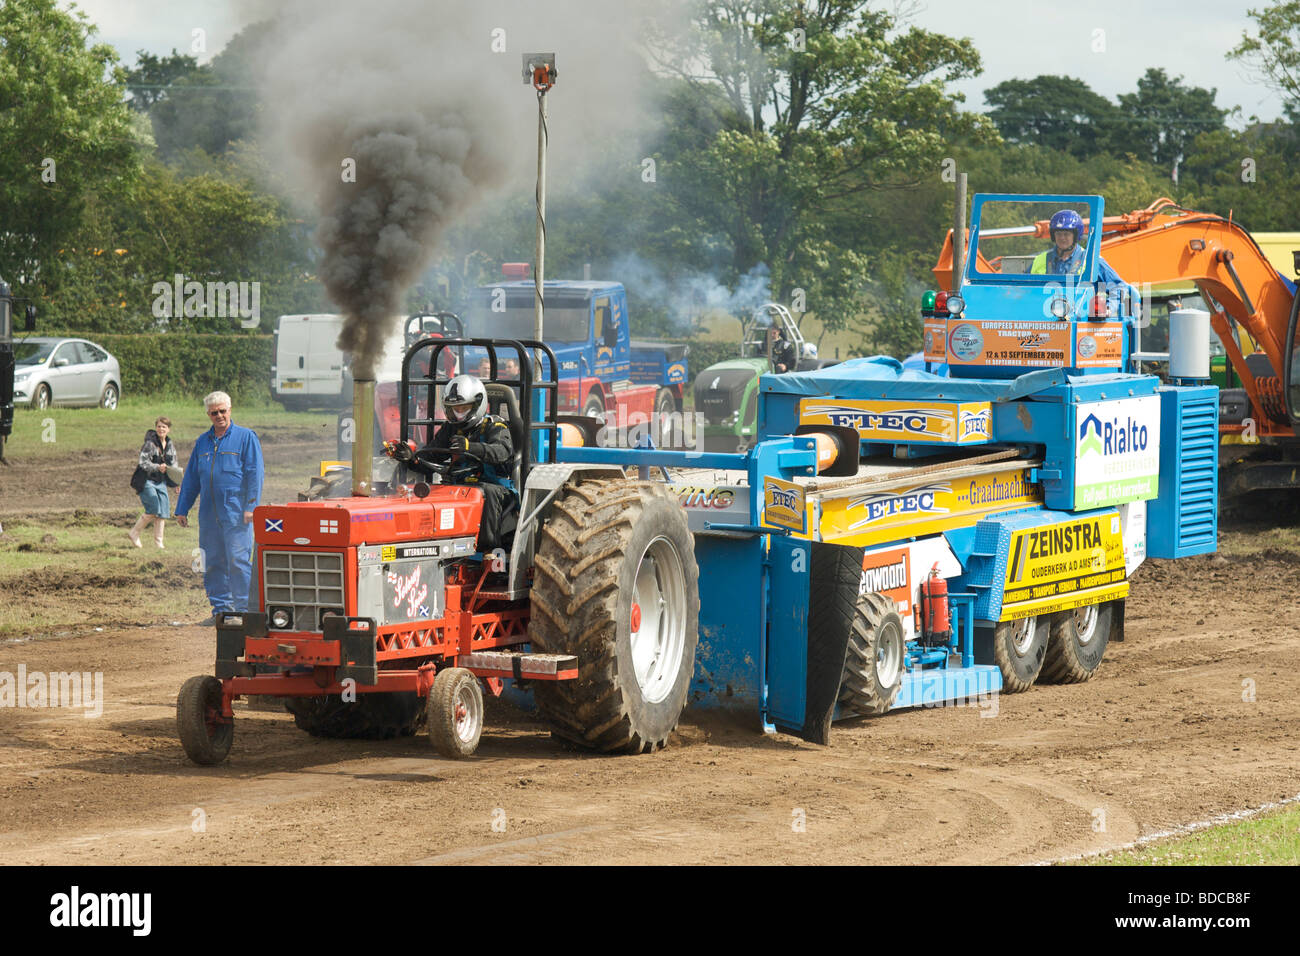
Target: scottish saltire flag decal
[(274, 524)]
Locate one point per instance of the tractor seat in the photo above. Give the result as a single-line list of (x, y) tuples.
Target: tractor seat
[(503, 403)]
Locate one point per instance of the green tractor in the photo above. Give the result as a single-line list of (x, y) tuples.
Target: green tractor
[(726, 394)]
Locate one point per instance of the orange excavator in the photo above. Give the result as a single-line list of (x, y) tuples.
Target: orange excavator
[(1253, 309)]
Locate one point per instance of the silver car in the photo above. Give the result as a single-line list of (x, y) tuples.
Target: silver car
[(51, 371)]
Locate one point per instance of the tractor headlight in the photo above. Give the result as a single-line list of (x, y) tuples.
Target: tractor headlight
[(281, 618)]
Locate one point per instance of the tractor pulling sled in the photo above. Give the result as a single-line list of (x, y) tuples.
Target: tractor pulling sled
[(894, 538)]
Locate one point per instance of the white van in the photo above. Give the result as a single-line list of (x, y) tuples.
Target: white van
[(308, 367), (310, 370)]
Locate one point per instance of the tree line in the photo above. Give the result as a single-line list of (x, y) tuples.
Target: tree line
[(812, 147)]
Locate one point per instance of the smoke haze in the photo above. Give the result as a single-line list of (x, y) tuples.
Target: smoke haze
[(425, 98)]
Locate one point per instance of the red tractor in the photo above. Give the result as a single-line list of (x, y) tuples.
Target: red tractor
[(378, 614)]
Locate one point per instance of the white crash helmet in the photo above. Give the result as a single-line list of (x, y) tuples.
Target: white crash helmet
[(809, 350), (466, 401)]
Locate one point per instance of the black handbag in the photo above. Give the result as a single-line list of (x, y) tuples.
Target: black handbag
[(138, 478)]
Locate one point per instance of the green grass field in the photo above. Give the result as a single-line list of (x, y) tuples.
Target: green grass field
[(50, 433), (1269, 840), (69, 571)]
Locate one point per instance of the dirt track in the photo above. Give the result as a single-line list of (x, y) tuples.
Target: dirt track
[(1162, 736)]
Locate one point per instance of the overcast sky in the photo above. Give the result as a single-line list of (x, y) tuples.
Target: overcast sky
[(1106, 43)]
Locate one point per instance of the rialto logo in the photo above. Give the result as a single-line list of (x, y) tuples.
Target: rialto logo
[(77, 909), (1120, 435), (1090, 436)]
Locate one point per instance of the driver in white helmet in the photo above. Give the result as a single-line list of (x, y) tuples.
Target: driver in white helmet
[(484, 447)]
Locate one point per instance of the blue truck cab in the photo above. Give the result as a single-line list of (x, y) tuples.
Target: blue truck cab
[(602, 371)]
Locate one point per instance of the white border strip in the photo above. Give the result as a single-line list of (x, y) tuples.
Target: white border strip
[(1182, 830)]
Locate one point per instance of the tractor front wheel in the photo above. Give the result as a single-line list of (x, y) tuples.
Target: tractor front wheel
[(618, 587), (455, 713), (205, 734)]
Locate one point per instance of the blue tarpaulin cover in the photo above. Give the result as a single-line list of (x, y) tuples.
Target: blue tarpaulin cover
[(882, 377)]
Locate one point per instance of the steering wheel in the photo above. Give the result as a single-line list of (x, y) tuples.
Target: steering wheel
[(447, 453)]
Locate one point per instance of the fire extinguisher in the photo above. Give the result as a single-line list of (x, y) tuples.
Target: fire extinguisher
[(936, 626)]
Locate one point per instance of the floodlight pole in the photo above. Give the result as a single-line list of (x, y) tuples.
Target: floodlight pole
[(539, 70)]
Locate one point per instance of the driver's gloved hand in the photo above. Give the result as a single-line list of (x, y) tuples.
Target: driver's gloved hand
[(462, 443), (400, 451)]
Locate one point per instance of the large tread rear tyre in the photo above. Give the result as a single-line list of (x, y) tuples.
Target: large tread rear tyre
[(1076, 644), (873, 666), (607, 548), (1018, 649), (204, 734), (378, 716)]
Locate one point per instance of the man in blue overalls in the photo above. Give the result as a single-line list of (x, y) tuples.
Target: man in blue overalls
[(225, 474)]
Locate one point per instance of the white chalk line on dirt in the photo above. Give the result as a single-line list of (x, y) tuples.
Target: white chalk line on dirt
[(1184, 829)]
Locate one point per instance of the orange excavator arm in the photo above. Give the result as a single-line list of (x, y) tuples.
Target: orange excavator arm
[(1165, 243)]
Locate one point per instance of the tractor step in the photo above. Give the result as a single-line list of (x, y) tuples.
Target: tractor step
[(503, 595), (520, 666)]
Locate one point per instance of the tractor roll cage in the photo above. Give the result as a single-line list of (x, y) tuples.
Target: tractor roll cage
[(526, 384)]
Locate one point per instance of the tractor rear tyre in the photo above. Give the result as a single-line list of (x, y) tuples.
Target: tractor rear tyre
[(618, 587), (1076, 644), (455, 713), (205, 734), (873, 666), (377, 716), (1018, 649)]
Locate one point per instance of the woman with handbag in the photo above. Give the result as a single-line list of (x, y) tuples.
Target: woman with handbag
[(156, 473)]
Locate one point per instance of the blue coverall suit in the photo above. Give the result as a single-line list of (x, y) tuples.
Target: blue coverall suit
[(225, 474)]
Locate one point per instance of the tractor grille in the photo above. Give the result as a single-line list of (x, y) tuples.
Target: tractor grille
[(719, 393), (307, 583)]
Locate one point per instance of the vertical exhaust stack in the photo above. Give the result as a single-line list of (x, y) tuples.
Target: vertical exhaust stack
[(363, 449)]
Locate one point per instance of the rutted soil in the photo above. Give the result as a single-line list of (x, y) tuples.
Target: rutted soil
[(1195, 714)]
